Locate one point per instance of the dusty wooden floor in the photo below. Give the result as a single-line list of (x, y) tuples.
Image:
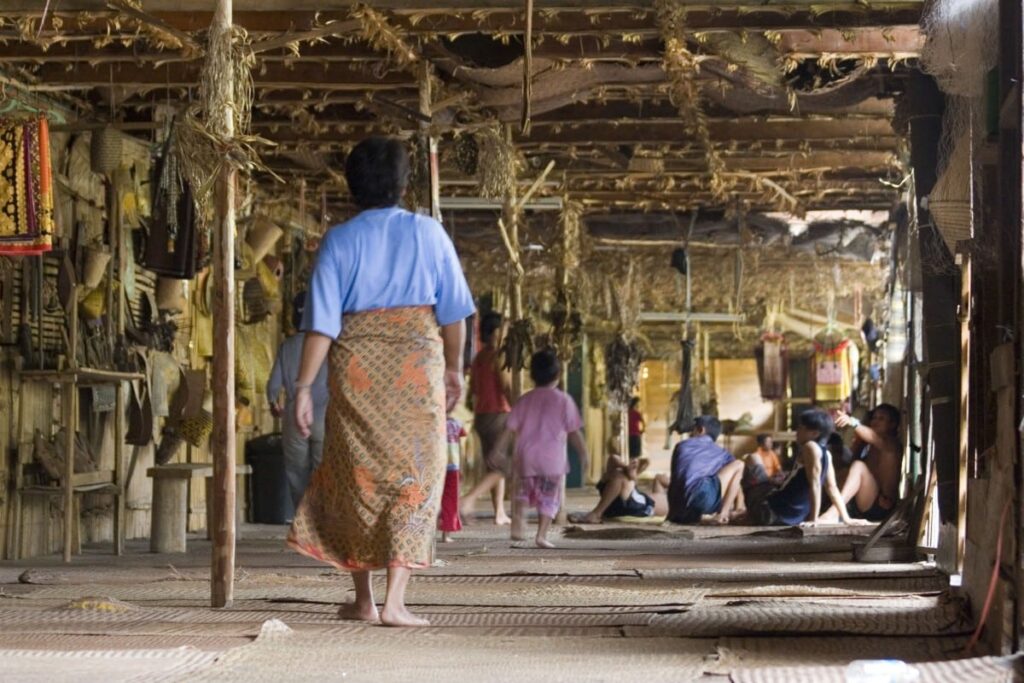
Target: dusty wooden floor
[(639, 603)]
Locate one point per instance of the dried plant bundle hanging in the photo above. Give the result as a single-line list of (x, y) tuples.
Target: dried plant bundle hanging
[(622, 370), (517, 347), (498, 163), (682, 67), (566, 317), (204, 143)]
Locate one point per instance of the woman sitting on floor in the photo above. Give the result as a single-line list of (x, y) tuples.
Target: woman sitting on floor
[(620, 496), (798, 500)]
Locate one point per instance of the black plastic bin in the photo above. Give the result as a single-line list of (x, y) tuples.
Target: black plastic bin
[(271, 502)]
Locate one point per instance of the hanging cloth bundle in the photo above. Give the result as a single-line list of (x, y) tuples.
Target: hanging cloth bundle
[(171, 246), (26, 187), (772, 366), (833, 371), (685, 413)]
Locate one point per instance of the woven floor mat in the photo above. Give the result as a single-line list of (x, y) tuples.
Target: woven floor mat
[(780, 571), (925, 585), (385, 655), (923, 618), (120, 641), (979, 670), (752, 653), (101, 666), (475, 632), (626, 533)]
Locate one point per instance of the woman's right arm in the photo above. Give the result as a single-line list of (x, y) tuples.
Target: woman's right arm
[(314, 352)]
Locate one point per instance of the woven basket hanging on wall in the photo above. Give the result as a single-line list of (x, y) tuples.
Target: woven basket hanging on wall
[(950, 202), (106, 152)]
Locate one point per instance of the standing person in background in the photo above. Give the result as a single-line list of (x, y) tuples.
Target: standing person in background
[(490, 390), (637, 427), (449, 521), (387, 307), (301, 455)]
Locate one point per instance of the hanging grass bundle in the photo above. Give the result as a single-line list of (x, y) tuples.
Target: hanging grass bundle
[(622, 370), (497, 165), (517, 347), (466, 154)]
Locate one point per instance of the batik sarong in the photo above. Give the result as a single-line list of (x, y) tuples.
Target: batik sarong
[(26, 187), (373, 502)]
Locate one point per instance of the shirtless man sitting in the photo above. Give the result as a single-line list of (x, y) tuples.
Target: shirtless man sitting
[(871, 489), (620, 496)]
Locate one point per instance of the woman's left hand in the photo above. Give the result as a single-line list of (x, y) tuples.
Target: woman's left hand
[(452, 388)]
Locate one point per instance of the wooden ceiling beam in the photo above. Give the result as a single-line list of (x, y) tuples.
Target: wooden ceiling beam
[(311, 76), (472, 16)]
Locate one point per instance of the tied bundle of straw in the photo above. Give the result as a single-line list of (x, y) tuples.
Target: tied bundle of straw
[(498, 164)]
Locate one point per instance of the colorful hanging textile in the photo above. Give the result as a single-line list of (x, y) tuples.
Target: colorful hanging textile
[(26, 187), (772, 367), (833, 371)]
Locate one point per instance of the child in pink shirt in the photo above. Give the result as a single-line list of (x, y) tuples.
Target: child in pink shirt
[(544, 421)]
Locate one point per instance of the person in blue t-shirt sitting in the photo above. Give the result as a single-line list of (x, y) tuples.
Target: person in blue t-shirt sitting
[(705, 478)]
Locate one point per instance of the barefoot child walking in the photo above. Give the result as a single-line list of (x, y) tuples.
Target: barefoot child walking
[(543, 420), (448, 521)]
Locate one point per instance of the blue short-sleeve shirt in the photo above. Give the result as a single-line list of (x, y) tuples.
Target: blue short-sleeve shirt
[(385, 258)]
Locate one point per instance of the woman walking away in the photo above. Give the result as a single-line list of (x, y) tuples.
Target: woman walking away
[(490, 390), (543, 420), (386, 308)]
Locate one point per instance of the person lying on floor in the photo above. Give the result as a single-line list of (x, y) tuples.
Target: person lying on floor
[(871, 488), (620, 495), (798, 500), (705, 479)]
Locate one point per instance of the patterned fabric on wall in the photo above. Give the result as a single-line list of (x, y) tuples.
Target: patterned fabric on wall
[(26, 187)]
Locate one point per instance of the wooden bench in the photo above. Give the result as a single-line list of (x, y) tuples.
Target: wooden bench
[(170, 504)]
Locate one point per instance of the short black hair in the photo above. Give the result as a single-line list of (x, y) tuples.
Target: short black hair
[(889, 409), (634, 402), (298, 308), (710, 424), (762, 438), (489, 324), (544, 367), (377, 171), (818, 420)]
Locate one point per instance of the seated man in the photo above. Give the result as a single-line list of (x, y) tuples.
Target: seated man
[(763, 464), (871, 489), (705, 481), (620, 496)]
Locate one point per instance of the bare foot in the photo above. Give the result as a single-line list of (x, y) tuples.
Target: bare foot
[(588, 518), (466, 513), (501, 519), (401, 616), (544, 543), (354, 611)]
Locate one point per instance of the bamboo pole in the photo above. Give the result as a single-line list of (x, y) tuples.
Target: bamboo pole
[(222, 444)]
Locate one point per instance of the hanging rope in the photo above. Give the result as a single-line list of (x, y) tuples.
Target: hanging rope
[(524, 125)]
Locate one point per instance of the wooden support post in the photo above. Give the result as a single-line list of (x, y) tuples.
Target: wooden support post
[(429, 144), (964, 260), (511, 222), (222, 570), (70, 390), (120, 257)]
